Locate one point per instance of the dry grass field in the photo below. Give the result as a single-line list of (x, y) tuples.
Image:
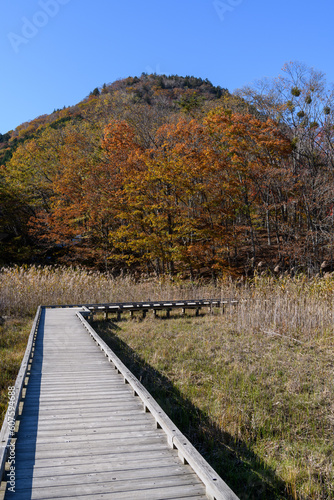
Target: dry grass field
[(253, 388)]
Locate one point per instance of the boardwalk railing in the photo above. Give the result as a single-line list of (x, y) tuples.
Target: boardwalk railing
[(168, 305), (8, 426), (216, 488)]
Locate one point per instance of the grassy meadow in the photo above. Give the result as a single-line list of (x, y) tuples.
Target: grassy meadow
[(252, 388)]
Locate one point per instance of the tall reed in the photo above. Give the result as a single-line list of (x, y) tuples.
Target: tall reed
[(300, 307), (22, 289)]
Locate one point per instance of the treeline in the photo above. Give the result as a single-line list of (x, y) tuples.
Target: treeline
[(165, 174)]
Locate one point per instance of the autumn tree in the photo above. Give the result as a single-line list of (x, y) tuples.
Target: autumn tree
[(74, 219), (186, 198), (302, 102), (14, 216)]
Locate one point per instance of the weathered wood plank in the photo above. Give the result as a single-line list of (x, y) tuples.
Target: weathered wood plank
[(115, 400), (109, 457), (113, 464), (87, 424), (119, 435), (106, 417), (113, 486), (174, 472), (171, 492), (61, 415), (91, 449)]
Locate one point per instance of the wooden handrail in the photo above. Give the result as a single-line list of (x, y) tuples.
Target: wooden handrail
[(147, 302), (119, 308), (7, 429), (216, 488)]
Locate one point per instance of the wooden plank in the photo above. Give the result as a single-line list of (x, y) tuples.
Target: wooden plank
[(119, 435), (113, 487), (52, 436), (143, 453), (138, 462), (90, 449), (171, 492), (105, 417), (91, 412), (174, 472), (87, 423), (67, 398)]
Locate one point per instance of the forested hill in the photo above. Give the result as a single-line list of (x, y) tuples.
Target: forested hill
[(172, 93), (171, 174)]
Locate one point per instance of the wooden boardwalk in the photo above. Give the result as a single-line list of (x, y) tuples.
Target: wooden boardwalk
[(84, 434)]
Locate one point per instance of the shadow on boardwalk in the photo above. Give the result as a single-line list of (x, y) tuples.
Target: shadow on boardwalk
[(248, 476)]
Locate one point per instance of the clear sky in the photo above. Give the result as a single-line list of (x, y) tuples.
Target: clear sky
[(54, 52)]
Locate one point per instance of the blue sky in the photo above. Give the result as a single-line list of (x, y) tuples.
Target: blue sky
[(54, 52)]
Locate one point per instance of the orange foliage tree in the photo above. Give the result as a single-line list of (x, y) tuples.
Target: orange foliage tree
[(196, 190), (180, 203)]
